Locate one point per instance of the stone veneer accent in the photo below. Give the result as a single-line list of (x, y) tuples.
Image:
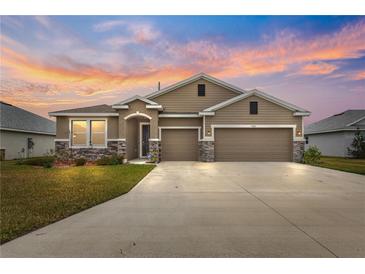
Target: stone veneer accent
[(298, 151), (206, 151), (64, 153), (155, 150)]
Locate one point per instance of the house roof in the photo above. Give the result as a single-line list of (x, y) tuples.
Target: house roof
[(193, 79), (343, 121), (261, 94), (17, 119), (136, 97), (99, 109)]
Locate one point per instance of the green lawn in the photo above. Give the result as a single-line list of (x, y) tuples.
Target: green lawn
[(344, 164), (32, 197)]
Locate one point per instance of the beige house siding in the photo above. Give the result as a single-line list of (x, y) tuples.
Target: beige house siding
[(63, 126), (132, 139), (178, 122), (141, 108), (239, 113), (113, 127), (186, 99)]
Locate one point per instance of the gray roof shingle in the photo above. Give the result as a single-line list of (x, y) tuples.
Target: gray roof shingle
[(14, 118), (93, 109), (337, 122)]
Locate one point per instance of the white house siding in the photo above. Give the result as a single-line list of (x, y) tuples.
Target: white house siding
[(332, 144), (13, 143)]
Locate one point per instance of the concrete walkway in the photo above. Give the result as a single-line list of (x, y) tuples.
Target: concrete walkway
[(192, 209)]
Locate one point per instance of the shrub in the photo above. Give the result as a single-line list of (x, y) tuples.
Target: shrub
[(357, 148), (110, 160), (80, 161), (46, 161), (312, 155)]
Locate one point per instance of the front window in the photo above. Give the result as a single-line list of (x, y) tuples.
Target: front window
[(79, 133), (88, 133), (201, 90), (253, 108), (97, 133)]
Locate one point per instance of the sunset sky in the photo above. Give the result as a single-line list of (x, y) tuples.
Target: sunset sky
[(54, 63)]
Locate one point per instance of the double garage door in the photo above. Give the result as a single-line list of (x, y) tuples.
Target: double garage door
[(264, 144), (231, 144)]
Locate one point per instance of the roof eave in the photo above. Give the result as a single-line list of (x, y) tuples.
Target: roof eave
[(73, 114)]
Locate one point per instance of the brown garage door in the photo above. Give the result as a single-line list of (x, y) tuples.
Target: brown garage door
[(179, 145), (253, 144)]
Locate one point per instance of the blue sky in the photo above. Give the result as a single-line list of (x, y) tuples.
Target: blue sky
[(59, 62)]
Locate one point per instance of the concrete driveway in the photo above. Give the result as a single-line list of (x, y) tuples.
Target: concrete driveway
[(192, 209)]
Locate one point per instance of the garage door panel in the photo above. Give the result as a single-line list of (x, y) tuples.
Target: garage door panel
[(179, 145), (253, 144)]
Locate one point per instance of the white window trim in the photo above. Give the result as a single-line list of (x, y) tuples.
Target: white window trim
[(88, 136), (140, 138), (179, 127), (120, 139), (214, 126)]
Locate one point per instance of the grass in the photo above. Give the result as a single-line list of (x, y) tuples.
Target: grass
[(344, 164), (32, 197)]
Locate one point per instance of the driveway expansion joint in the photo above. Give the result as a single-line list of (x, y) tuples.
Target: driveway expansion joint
[(290, 222)]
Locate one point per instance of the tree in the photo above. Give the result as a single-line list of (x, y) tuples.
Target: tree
[(357, 148)]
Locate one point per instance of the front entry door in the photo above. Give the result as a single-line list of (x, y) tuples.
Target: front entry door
[(145, 136)]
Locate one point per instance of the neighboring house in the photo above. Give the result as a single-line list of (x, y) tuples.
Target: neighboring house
[(201, 118), (24, 134), (334, 134)]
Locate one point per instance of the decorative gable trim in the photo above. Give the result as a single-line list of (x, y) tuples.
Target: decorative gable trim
[(124, 104), (193, 79), (298, 111)]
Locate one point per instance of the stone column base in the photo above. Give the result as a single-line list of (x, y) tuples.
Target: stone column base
[(155, 151), (298, 151), (206, 151)]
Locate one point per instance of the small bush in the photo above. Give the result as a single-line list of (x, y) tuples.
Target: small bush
[(110, 160), (47, 164), (312, 156), (46, 161), (80, 161)]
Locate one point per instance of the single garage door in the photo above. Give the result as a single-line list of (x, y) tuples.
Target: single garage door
[(179, 145), (237, 144)]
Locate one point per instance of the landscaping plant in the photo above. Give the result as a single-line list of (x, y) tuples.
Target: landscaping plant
[(80, 161), (357, 148), (110, 160), (312, 156)]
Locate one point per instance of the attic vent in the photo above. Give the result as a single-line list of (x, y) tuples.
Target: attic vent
[(339, 114)]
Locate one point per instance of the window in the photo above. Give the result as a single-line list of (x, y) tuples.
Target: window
[(79, 133), (201, 90), (97, 133), (88, 132), (253, 108)]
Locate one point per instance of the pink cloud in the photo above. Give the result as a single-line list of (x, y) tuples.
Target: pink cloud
[(320, 68)]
